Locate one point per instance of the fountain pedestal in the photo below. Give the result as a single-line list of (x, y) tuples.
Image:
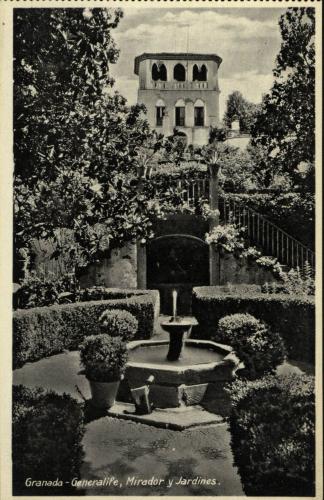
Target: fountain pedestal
[(176, 330)]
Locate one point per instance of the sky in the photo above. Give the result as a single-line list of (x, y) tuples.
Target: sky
[(247, 40)]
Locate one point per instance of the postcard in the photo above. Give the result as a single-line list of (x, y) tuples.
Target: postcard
[(160, 249)]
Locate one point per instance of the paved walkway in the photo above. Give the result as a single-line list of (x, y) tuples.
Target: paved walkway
[(196, 461)]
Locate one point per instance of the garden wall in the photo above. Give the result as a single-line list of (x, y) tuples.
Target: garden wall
[(118, 270), (242, 271), (44, 331), (292, 316)]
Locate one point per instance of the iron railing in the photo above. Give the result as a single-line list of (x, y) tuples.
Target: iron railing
[(261, 232), (191, 191)]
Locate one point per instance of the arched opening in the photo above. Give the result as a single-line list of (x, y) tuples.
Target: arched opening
[(203, 73), (199, 74), (179, 73), (159, 72), (177, 262), (160, 112), (163, 73), (180, 113), (199, 113), (195, 73)]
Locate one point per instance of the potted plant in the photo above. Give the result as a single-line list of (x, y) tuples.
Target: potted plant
[(103, 359)]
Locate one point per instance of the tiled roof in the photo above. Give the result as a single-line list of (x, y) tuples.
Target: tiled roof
[(176, 56)]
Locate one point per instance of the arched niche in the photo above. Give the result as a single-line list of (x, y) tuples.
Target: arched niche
[(160, 103), (180, 103), (199, 103), (179, 73)]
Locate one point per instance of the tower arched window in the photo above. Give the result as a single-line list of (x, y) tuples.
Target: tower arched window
[(160, 112), (199, 74), (159, 72), (199, 113), (195, 73), (203, 73), (180, 113), (179, 73)]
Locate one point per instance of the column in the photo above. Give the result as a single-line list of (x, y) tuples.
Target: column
[(214, 263)]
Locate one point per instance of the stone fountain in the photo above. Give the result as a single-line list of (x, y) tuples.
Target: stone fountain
[(177, 372)]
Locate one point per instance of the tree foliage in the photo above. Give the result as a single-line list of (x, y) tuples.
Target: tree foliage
[(285, 127), (238, 108), (77, 145)]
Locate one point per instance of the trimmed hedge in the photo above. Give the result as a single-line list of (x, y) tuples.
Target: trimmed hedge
[(272, 425), (47, 434), (258, 347), (293, 317), (44, 331)]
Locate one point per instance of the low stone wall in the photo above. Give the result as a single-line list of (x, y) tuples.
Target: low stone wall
[(119, 270), (236, 271)]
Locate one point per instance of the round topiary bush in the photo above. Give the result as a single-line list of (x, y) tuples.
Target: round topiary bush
[(118, 323), (103, 357), (259, 348)]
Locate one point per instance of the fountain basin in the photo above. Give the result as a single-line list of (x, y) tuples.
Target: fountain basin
[(183, 382)]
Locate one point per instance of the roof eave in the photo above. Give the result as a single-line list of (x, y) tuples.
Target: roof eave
[(175, 56)]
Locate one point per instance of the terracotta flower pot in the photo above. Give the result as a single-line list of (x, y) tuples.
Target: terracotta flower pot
[(104, 393)]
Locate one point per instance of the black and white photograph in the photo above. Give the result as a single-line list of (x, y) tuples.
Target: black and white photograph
[(161, 248)]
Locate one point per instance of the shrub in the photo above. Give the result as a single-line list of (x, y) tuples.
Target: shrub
[(103, 357), (46, 440), (41, 290), (44, 331), (118, 323), (227, 238), (260, 349), (273, 435), (293, 317), (295, 282)]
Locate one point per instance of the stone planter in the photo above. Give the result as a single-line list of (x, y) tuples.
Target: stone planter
[(103, 393)]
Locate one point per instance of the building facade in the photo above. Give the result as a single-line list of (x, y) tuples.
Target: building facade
[(180, 91)]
